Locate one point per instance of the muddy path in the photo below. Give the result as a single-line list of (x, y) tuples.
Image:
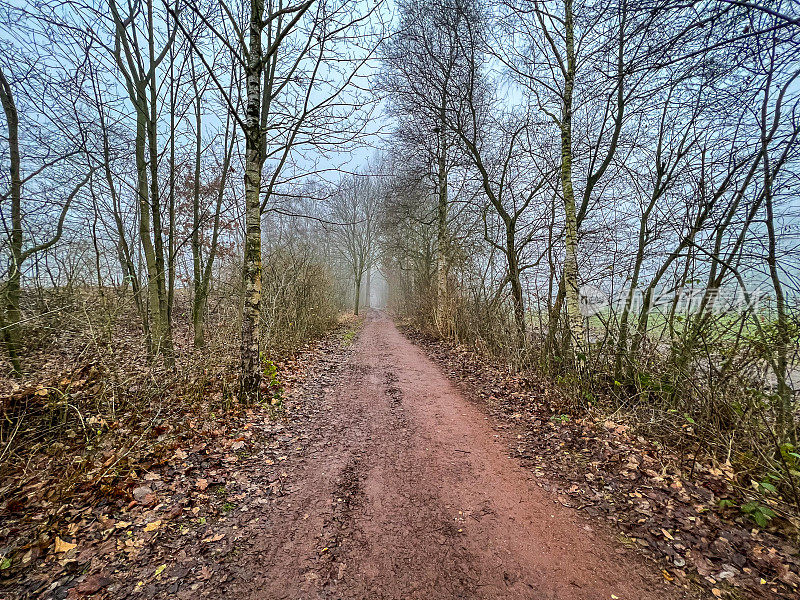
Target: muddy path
[(406, 491)]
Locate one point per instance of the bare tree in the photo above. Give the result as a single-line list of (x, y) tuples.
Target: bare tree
[(354, 208), (295, 71), (138, 58), (424, 62), (16, 225)]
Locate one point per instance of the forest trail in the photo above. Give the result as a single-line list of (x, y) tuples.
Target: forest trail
[(406, 491)]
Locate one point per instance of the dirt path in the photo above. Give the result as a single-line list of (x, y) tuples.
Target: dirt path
[(407, 492)]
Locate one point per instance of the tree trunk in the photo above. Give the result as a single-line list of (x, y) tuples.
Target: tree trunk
[(197, 267), (367, 303), (251, 313), (572, 295), (358, 295), (142, 86), (156, 325), (163, 341), (12, 292), (516, 285), (171, 242), (123, 248), (442, 300)]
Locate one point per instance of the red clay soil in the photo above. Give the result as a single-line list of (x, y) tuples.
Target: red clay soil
[(407, 492)]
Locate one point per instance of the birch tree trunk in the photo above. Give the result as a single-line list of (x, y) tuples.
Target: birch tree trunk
[(574, 316), (251, 312)]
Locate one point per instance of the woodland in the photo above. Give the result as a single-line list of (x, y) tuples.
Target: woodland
[(585, 211)]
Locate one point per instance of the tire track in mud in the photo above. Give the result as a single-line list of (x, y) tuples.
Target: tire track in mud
[(348, 495), (394, 393)]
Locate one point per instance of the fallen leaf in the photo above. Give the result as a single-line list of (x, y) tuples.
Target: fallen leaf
[(160, 569), (202, 484), (92, 584), (62, 546), (152, 526)]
